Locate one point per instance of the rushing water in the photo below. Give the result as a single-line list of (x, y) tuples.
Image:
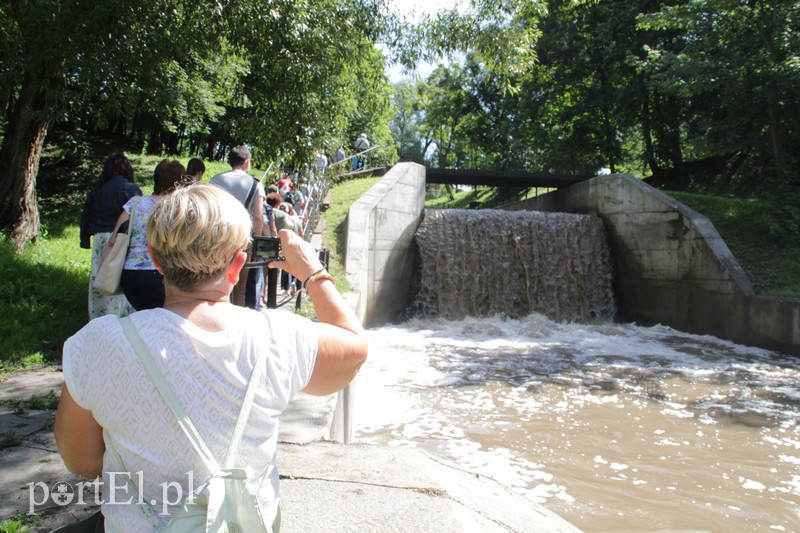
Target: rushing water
[(614, 427), (480, 263)]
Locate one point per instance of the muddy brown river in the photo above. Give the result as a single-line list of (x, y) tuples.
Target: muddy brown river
[(614, 427)]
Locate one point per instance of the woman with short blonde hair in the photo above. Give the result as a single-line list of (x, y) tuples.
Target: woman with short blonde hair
[(111, 417), (194, 235)]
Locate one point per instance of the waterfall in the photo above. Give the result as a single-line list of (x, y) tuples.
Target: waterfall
[(513, 263)]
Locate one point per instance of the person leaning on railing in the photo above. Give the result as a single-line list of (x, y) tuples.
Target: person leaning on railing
[(206, 348)]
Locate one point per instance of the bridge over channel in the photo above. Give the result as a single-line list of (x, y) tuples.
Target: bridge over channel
[(503, 178)]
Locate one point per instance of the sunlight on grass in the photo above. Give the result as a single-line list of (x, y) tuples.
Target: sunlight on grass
[(756, 237), (334, 234), (45, 288)]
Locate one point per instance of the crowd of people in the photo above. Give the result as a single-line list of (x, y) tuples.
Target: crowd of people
[(185, 296), (116, 204)]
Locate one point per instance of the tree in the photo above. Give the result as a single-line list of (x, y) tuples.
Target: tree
[(62, 55), (407, 123), (735, 67), (283, 76)]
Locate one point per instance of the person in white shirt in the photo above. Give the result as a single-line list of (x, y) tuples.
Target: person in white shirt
[(321, 162), (111, 418)]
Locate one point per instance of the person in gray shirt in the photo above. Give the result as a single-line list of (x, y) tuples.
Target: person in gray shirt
[(250, 192)]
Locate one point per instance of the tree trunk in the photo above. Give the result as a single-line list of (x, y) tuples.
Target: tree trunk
[(209, 153), (19, 158), (773, 107), (154, 140), (171, 142), (647, 134)]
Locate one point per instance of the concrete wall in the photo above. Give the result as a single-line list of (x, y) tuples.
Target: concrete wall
[(380, 243), (672, 267)]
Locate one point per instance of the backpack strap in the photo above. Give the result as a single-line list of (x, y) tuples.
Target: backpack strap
[(251, 193), (247, 403), (184, 421), (161, 385)]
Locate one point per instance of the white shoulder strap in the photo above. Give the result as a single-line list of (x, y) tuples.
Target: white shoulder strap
[(247, 403)]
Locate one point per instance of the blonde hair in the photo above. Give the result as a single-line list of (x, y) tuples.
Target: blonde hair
[(195, 232)]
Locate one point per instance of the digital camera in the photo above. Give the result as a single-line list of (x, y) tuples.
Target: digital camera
[(266, 249)]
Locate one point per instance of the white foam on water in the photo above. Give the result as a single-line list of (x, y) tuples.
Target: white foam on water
[(507, 398)]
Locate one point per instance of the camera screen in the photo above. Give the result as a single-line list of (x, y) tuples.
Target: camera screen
[(266, 247)]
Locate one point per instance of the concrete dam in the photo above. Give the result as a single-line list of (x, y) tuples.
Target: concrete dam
[(669, 264)]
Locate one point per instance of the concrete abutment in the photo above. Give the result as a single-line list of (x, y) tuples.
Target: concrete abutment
[(671, 266)]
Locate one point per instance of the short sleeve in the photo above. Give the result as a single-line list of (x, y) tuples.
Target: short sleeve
[(78, 359)]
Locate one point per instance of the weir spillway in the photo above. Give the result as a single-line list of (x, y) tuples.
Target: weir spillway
[(491, 262)]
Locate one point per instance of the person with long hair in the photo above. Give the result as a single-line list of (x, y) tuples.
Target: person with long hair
[(196, 168), (111, 417), (115, 186)]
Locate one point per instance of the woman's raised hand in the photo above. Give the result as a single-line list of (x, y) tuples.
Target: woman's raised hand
[(301, 259)]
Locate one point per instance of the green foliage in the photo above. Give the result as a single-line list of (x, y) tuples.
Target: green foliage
[(700, 95), (409, 121), (48, 402), (20, 523), (501, 35), (286, 77)]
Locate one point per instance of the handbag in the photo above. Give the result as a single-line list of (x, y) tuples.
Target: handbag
[(224, 503), (112, 262)]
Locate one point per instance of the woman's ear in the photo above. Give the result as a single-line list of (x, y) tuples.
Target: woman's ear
[(235, 267), (155, 261)]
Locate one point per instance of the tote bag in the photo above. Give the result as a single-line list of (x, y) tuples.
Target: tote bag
[(106, 282)]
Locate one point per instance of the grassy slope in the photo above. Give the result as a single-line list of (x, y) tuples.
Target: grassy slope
[(769, 256), (333, 234)]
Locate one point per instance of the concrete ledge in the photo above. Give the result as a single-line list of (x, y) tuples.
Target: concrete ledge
[(380, 235), (397, 489), (672, 267)]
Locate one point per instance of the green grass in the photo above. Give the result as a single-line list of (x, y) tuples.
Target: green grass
[(437, 197), (334, 236), (756, 237), (44, 291)]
